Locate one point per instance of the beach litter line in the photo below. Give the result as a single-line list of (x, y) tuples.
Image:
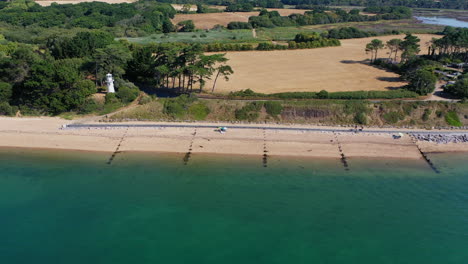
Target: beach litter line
[(424, 155), (187, 155), (117, 150)]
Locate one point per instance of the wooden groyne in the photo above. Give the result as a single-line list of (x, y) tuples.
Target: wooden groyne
[(265, 151), (343, 158), (117, 149), (424, 155), (187, 155)]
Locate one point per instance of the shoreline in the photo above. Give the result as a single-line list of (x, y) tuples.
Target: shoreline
[(296, 141)]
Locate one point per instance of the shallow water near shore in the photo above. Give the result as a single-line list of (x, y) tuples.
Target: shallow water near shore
[(445, 21), (72, 207)]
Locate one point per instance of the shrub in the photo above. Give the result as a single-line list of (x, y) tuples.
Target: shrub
[(178, 107), (126, 94), (5, 92), (145, 99), (355, 107), (452, 119), (249, 112), (88, 106), (273, 108), (427, 113), (393, 117), (322, 94), (439, 113), (361, 118), (111, 98), (7, 109), (199, 111)]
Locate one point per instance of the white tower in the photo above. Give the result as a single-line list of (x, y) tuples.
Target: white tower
[(110, 83)]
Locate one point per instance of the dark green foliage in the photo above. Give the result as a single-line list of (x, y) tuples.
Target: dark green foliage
[(89, 106), (144, 15), (460, 88), (452, 119), (198, 111), (250, 112), (179, 106), (273, 108), (439, 113), (271, 46), (186, 26), (227, 47), (82, 45), (127, 94), (324, 16), (173, 65), (6, 91), (422, 81), (111, 98), (6, 109), (377, 6), (323, 94), (244, 7), (349, 32), (239, 25)]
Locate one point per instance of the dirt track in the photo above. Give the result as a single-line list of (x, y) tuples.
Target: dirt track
[(331, 69)]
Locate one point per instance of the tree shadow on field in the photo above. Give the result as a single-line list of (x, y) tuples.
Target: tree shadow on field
[(389, 79), (354, 62)]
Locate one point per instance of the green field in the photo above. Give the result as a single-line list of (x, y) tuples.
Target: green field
[(284, 33), (202, 36)]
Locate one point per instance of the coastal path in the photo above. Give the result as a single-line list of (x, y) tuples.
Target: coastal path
[(284, 128)]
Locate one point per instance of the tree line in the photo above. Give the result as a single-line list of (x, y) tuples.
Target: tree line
[(448, 4), (271, 19), (177, 66)]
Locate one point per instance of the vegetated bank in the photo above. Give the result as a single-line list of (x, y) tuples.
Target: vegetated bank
[(422, 114)]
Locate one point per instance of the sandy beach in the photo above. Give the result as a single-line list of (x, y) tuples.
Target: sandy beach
[(46, 133)]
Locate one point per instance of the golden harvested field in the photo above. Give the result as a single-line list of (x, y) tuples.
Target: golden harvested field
[(208, 21), (310, 70)]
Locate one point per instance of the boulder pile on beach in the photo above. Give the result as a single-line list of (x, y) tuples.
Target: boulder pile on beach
[(442, 139)]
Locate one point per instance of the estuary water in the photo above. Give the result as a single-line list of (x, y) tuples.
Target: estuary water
[(445, 21), (72, 207)]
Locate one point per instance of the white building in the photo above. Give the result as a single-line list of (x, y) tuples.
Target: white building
[(110, 83)]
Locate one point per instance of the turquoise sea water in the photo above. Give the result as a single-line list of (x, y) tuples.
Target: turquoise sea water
[(71, 207)]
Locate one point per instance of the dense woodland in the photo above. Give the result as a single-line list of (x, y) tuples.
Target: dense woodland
[(127, 19), (62, 76)]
